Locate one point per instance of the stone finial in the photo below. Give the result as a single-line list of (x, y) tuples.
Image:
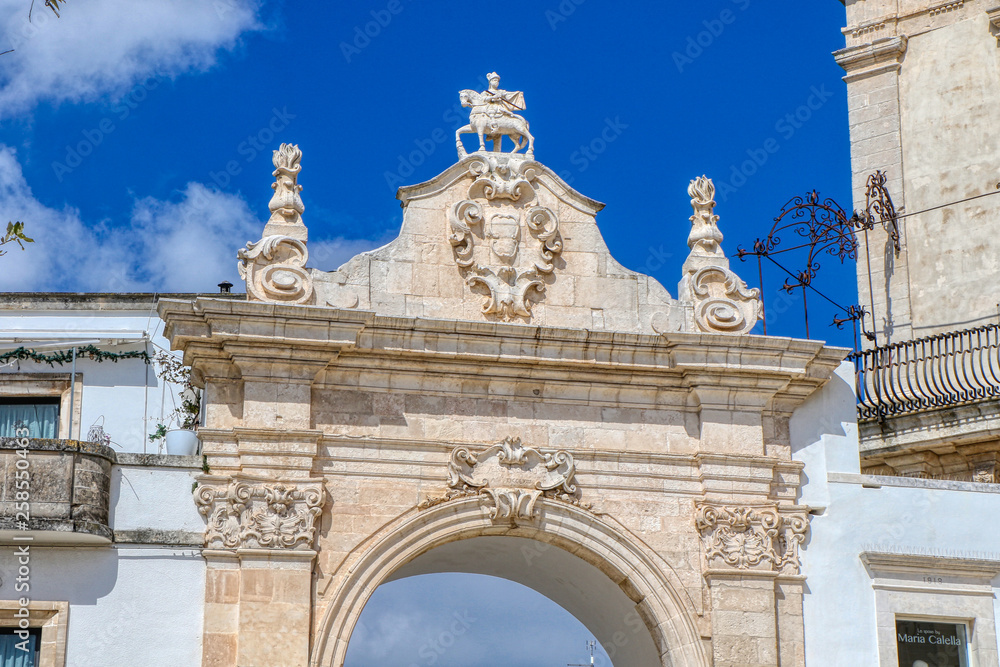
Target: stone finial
[(721, 302), (286, 205), (705, 239), (274, 268)]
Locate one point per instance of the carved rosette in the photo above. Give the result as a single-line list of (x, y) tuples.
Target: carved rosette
[(721, 301), (274, 270), (246, 514), (510, 478), (501, 243), (751, 537)]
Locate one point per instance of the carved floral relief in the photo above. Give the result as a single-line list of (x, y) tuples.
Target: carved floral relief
[(510, 478), (751, 538), (251, 515)]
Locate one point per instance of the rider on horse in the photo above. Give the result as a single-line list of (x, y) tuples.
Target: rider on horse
[(501, 102)]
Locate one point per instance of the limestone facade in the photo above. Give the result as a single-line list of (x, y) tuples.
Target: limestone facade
[(918, 72), (923, 81), (489, 380)]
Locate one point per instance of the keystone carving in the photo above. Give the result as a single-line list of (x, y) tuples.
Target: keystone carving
[(510, 478), (252, 515), (501, 244), (722, 302), (751, 538)]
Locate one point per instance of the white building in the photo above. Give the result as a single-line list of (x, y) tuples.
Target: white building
[(113, 568)]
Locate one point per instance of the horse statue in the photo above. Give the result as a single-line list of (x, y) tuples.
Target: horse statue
[(491, 118)]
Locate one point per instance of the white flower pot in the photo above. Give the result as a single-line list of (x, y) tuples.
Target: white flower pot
[(182, 442)]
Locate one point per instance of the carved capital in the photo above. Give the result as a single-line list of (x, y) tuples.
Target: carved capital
[(252, 514), (510, 478), (274, 270), (760, 538)]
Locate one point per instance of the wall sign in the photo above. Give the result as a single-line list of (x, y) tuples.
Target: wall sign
[(925, 644)]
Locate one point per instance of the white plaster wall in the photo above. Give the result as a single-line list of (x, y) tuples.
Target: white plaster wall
[(129, 606), (925, 518), (155, 498), (118, 395)]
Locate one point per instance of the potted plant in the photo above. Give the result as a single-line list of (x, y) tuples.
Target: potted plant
[(183, 439)]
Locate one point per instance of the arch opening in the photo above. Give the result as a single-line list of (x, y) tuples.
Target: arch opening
[(625, 594), (578, 587), (453, 619)]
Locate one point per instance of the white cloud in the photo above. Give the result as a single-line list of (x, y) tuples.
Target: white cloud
[(102, 48), (186, 245)]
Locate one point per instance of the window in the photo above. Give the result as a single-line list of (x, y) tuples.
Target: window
[(16, 651), (40, 415), (927, 643)]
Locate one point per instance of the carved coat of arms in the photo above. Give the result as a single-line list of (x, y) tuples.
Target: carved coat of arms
[(504, 245)]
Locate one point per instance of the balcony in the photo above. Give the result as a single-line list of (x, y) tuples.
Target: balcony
[(67, 491), (930, 407), (945, 370)]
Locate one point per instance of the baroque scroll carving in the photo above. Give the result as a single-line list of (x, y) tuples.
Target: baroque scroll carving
[(274, 270), (721, 301), (501, 244), (510, 478), (274, 267), (751, 538), (258, 515)]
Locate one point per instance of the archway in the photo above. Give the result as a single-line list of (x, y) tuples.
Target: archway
[(466, 620), (567, 554)]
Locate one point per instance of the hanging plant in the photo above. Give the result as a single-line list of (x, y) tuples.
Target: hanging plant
[(170, 369)]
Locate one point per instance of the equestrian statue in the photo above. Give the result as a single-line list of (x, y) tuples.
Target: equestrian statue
[(492, 116)]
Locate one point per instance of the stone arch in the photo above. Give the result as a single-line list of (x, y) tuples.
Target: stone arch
[(658, 596)]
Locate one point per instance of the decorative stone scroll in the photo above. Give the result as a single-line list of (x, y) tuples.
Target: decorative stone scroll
[(502, 244), (721, 300), (751, 538), (260, 515), (274, 267), (274, 270), (510, 478)]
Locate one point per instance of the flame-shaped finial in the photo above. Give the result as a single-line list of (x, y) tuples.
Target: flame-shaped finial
[(287, 158), (702, 191)]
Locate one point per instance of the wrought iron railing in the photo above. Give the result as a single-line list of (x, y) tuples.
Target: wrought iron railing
[(933, 372)]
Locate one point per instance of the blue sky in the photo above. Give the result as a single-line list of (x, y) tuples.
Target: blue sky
[(135, 139)]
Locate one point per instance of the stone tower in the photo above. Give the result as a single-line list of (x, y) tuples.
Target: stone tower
[(923, 80)]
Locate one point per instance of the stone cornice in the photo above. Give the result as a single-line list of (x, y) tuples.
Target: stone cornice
[(305, 339), (882, 564), (882, 55)]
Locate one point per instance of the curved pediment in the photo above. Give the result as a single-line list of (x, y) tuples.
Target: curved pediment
[(499, 237)]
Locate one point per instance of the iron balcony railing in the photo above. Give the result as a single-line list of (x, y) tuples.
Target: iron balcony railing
[(937, 371)]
